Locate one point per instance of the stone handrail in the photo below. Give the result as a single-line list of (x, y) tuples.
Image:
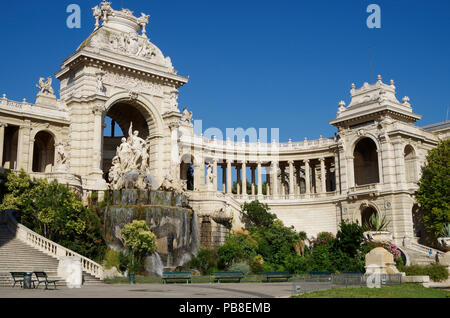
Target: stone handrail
[(50, 248)]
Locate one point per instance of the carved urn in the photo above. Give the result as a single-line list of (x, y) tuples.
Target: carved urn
[(378, 238)]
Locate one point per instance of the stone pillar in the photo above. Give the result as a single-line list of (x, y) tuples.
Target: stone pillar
[(274, 173), (307, 177), (2, 141), (323, 175), (224, 178), (336, 173), (229, 185), (350, 172), (291, 179), (268, 182), (20, 148), (244, 178), (238, 179), (399, 163), (97, 145), (260, 192), (253, 180)]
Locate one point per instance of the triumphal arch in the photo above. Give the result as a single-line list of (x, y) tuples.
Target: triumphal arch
[(118, 77)]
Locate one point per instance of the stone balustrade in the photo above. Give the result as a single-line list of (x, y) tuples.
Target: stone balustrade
[(51, 248)]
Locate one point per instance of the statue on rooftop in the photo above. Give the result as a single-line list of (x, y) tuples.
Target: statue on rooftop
[(45, 86)]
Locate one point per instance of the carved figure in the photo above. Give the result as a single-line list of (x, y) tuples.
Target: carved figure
[(187, 116), (45, 86)]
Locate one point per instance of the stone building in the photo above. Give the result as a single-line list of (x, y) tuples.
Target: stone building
[(371, 165)]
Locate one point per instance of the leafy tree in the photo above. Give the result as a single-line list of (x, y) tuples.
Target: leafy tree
[(236, 249), (55, 212), (434, 191), (257, 214), (138, 240), (275, 243), (349, 238)]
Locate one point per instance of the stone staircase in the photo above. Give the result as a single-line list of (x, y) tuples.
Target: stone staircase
[(17, 256)]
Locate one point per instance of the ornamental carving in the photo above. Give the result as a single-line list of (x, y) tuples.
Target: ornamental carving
[(132, 84)]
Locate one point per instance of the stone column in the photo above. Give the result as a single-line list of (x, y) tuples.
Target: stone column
[(350, 172), (244, 178), (336, 172), (274, 173), (97, 145), (253, 179), (260, 192), (2, 141), (307, 177), (268, 182), (224, 178), (229, 185), (323, 175), (291, 179), (238, 179), (399, 163), (20, 148)]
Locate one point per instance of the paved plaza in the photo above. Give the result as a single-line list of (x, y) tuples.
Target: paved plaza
[(229, 290)]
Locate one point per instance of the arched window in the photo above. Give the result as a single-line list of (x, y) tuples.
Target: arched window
[(410, 164), (366, 162)]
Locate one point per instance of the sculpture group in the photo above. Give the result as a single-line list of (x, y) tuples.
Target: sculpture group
[(130, 167)]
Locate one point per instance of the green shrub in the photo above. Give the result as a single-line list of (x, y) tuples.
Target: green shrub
[(257, 264), (295, 264), (235, 249), (206, 261), (437, 273), (111, 259), (240, 267)]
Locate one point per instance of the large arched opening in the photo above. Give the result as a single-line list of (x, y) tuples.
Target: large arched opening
[(118, 120), (366, 162), (43, 152)]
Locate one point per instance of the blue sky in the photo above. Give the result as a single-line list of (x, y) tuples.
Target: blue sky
[(263, 64)]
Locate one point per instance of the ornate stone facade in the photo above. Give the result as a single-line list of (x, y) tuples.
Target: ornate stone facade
[(371, 165)]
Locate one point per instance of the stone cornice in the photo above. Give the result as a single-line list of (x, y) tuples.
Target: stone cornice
[(88, 57)]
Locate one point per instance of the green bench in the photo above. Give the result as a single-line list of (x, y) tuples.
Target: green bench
[(43, 278), (174, 276), (17, 277), (218, 276), (277, 275)]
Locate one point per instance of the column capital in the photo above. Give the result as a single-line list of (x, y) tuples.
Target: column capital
[(3, 125), (306, 161), (291, 162), (98, 109), (322, 159)]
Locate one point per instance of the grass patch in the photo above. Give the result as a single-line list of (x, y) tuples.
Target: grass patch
[(395, 291)]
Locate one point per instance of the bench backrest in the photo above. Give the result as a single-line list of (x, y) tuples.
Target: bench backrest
[(277, 274), (229, 274), (41, 275), (17, 274), (319, 273), (176, 274)]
